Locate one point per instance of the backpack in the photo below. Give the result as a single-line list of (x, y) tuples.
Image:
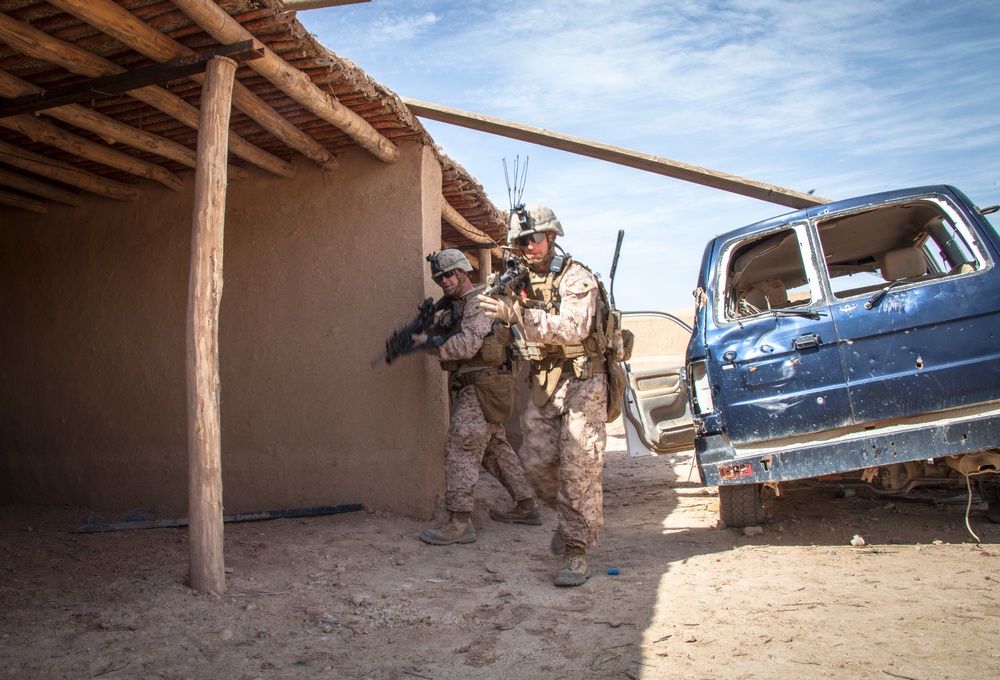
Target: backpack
[(616, 344)]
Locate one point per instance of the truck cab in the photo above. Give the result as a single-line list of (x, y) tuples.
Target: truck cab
[(857, 339)]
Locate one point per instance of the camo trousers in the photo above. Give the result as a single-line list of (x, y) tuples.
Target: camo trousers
[(563, 455), (473, 442)]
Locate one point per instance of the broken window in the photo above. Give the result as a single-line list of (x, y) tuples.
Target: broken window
[(907, 242), (765, 273)]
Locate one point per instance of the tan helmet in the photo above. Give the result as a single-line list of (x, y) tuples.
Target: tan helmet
[(446, 260), (526, 220)]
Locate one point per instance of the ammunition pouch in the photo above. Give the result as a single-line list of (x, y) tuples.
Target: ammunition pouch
[(495, 391)]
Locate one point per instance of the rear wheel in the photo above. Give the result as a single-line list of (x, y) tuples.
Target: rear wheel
[(991, 494), (740, 506)]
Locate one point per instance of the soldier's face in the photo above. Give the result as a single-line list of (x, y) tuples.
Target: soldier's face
[(449, 282), (534, 251)]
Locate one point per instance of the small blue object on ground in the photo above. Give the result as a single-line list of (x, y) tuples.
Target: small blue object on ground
[(612, 572)]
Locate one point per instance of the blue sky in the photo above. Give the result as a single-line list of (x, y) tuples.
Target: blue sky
[(838, 98)]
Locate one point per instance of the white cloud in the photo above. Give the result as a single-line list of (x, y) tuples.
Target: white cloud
[(842, 98)]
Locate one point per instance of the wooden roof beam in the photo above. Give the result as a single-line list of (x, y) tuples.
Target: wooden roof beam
[(38, 44), (614, 154), (47, 133), (33, 186), (214, 20), (466, 228), (128, 29), (23, 202), (109, 129), (63, 172)]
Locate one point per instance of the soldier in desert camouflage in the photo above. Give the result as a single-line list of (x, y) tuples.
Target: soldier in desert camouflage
[(563, 424), (481, 379)]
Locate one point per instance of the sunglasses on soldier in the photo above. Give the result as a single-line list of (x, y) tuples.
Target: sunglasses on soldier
[(441, 276), (535, 237)]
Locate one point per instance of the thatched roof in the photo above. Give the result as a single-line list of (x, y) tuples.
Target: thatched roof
[(68, 154)]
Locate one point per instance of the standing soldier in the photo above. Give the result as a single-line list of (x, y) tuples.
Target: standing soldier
[(564, 422), (481, 378)]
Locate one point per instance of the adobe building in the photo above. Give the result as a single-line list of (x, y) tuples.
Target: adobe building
[(335, 194)]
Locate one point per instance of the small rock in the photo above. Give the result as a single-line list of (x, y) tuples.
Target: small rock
[(858, 541), (327, 629), (721, 525), (262, 633), (227, 634), (689, 636), (313, 611), (492, 569), (359, 600), (400, 561), (937, 542), (753, 531)]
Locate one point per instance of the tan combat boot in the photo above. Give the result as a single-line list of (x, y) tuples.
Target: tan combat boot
[(575, 571), (557, 545), (525, 512), (458, 529)]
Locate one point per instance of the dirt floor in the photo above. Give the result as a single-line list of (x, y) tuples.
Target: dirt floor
[(356, 595)]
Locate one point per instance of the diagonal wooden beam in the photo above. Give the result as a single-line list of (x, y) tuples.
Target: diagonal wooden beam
[(129, 30), (296, 84), (32, 42), (614, 154)]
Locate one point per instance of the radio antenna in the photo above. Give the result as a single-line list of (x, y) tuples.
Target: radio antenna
[(515, 191)]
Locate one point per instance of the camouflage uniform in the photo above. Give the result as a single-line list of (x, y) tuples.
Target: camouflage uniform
[(471, 440), (565, 435)]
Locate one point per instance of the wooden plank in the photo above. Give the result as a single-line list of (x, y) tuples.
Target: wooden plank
[(207, 564), (614, 154)]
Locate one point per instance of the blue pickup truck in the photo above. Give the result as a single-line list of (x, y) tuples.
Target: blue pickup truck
[(858, 339)]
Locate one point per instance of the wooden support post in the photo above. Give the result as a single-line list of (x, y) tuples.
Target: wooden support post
[(485, 265), (207, 568)]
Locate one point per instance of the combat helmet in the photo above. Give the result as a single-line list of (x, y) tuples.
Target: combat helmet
[(446, 260), (531, 219)]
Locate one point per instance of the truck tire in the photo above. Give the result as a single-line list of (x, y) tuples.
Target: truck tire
[(991, 494), (740, 506)]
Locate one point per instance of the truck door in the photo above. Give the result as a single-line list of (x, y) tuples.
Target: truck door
[(775, 367), (924, 339), (656, 413)]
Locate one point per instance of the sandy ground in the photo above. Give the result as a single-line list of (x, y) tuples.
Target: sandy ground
[(356, 595)]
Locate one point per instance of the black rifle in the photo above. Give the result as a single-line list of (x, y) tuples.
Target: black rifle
[(510, 280), (426, 323), (614, 266)]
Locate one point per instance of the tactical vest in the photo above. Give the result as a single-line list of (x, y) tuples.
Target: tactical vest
[(490, 355), (548, 362)]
